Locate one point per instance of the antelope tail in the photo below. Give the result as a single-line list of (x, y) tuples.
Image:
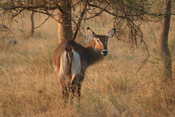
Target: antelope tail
[(66, 62), (70, 64)]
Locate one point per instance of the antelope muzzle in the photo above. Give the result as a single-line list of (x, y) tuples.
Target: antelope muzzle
[(104, 52)]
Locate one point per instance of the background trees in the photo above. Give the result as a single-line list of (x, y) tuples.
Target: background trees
[(126, 13), (165, 52)]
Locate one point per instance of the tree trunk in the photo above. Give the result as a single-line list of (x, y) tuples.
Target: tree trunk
[(32, 23), (165, 52), (65, 21)]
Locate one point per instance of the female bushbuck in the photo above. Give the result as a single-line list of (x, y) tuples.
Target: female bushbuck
[(71, 60)]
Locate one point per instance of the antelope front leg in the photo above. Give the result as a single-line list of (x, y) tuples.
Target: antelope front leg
[(65, 94), (78, 92), (76, 86), (65, 89)]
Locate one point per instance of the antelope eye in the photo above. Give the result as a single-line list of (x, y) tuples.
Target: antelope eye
[(98, 40)]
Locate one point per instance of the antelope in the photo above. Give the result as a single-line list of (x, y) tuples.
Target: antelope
[(72, 59)]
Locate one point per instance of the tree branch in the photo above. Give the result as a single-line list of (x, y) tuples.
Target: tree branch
[(113, 14), (80, 19), (42, 23), (97, 14)]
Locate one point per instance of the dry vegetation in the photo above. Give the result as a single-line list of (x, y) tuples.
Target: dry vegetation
[(112, 88)]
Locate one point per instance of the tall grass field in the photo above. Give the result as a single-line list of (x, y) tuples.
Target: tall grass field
[(112, 87)]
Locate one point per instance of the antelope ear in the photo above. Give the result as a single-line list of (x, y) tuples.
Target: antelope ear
[(90, 31), (111, 32), (89, 35)]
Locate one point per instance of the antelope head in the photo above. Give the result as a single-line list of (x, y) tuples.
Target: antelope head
[(100, 42)]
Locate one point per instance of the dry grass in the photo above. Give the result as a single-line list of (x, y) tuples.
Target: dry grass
[(29, 87)]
